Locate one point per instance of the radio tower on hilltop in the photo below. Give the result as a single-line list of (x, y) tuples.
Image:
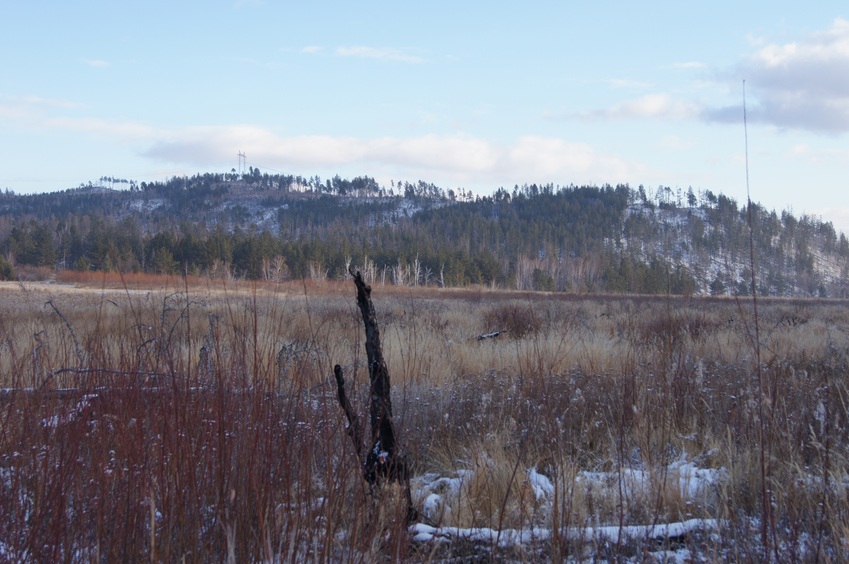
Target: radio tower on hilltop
[(242, 162)]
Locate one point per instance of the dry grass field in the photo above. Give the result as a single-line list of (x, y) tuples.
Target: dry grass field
[(195, 420)]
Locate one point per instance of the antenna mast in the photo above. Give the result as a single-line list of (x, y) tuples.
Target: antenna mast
[(746, 135), (242, 162), (766, 490)]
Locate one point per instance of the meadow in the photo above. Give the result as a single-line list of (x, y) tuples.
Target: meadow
[(196, 420)]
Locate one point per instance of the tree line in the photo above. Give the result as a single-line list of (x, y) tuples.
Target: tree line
[(533, 237)]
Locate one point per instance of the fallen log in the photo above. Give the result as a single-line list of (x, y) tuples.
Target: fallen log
[(492, 335)]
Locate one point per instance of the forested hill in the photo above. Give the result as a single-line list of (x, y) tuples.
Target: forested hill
[(565, 239)]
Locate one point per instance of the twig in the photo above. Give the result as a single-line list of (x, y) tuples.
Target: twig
[(80, 357)]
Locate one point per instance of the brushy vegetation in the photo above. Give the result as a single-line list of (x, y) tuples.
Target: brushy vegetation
[(195, 420)]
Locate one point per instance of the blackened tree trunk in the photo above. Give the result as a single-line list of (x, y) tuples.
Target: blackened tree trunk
[(383, 459), (354, 428)]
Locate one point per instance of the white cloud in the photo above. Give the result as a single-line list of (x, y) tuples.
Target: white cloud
[(22, 105), (819, 156), (838, 216), (800, 149), (457, 153), (119, 131), (688, 65), (96, 63), (627, 83), (461, 159), (675, 143), (546, 157), (312, 49), (32, 108), (659, 105), (828, 45), (375, 53), (40, 101), (455, 158), (802, 84)]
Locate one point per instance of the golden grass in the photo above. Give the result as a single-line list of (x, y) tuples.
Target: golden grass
[(575, 386)]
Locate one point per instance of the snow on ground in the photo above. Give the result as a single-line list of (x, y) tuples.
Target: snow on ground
[(693, 482), (84, 404), (696, 486), (542, 486), (506, 538), (146, 205)]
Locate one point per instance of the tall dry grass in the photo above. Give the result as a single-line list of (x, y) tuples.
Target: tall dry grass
[(199, 422)]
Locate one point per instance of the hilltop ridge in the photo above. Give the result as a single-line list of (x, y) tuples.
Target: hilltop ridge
[(552, 238)]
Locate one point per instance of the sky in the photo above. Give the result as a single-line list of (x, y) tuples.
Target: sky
[(473, 95)]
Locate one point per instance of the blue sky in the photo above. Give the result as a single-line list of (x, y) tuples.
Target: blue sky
[(473, 95)]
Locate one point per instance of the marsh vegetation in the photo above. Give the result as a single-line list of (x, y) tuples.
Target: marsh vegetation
[(192, 419)]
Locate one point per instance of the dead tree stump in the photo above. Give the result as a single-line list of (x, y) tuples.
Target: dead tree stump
[(382, 459)]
